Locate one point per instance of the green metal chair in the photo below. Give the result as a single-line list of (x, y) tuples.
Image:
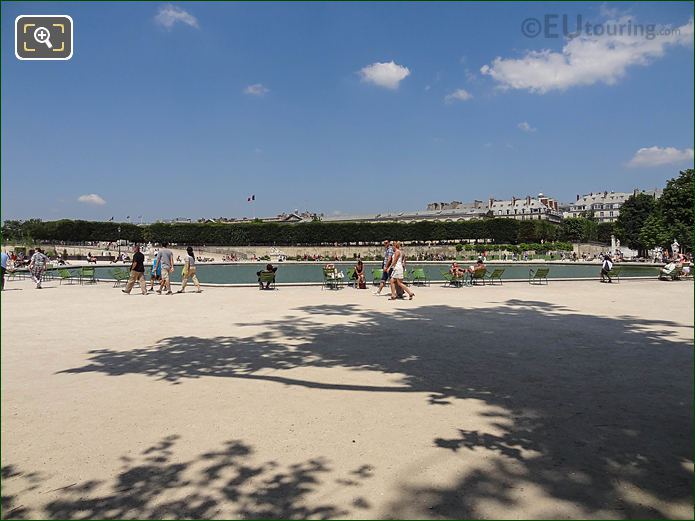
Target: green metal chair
[(376, 276), (267, 278), (450, 280), (351, 278), (673, 275), (537, 277), (478, 276), (418, 277), (120, 276), (495, 275), (331, 279), (615, 274), (65, 275), (17, 274), (88, 275)]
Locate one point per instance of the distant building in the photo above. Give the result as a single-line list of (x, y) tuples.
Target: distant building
[(528, 208), (603, 206), (291, 217), (178, 220)]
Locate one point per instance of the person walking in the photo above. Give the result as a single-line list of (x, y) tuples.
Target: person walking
[(189, 272), (3, 264), (606, 268), (165, 262), (386, 265), (155, 272), (137, 272), (37, 265), (398, 262)]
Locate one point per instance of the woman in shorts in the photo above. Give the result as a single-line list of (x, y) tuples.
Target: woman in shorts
[(398, 264)]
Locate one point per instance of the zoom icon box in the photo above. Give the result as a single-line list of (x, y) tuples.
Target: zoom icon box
[(43, 37)]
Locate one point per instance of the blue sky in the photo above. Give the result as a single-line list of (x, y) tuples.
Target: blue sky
[(185, 109)]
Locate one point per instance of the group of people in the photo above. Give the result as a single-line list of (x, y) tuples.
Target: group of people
[(458, 272), (162, 268), (676, 265), (393, 267)]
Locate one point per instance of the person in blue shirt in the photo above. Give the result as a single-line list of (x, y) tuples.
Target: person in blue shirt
[(155, 272), (3, 262)]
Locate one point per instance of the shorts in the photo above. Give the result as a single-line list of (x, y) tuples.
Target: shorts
[(165, 273), (397, 273), (385, 276)]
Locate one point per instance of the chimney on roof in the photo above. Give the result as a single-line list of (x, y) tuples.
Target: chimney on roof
[(490, 201), (513, 200), (528, 200), (605, 193), (577, 197)]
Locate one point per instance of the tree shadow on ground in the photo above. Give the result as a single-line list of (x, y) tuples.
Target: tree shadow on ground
[(219, 483), (589, 404), (11, 507)]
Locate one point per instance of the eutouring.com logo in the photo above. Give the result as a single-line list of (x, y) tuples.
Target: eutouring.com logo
[(570, 27)]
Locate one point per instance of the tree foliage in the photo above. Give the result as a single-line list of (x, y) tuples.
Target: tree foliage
[(498, 231), (633, 214), (654, 232), (676, 208)]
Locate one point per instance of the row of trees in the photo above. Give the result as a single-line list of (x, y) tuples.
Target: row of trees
[(645, 223), (312, 233)]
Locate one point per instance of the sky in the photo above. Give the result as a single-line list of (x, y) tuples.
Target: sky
[(186, 109)]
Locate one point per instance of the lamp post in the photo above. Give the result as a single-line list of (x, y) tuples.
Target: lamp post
[(119, 241)]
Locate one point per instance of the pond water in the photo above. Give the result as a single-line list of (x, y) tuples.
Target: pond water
[(312, 272)]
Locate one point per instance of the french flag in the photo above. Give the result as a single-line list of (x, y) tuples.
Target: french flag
[(252, 198)]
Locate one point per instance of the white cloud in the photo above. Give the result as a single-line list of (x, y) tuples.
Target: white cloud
[(168, 15), (257, 89), (470, 76), (92, 199), (610, 12), (387, 75), (656, 156), (458, 95), (526, 127), (587, 59)]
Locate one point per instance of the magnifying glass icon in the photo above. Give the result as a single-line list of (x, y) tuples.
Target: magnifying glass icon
[(43, 35)]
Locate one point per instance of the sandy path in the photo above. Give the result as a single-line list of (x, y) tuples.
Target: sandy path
[(568, 400)]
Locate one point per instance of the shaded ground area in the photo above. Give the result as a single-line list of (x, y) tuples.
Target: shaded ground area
[(580, 415), (154, 486)]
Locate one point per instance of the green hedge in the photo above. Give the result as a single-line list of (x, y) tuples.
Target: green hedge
[(498, 231)]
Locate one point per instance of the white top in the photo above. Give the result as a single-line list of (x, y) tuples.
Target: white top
[(399, 261)]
